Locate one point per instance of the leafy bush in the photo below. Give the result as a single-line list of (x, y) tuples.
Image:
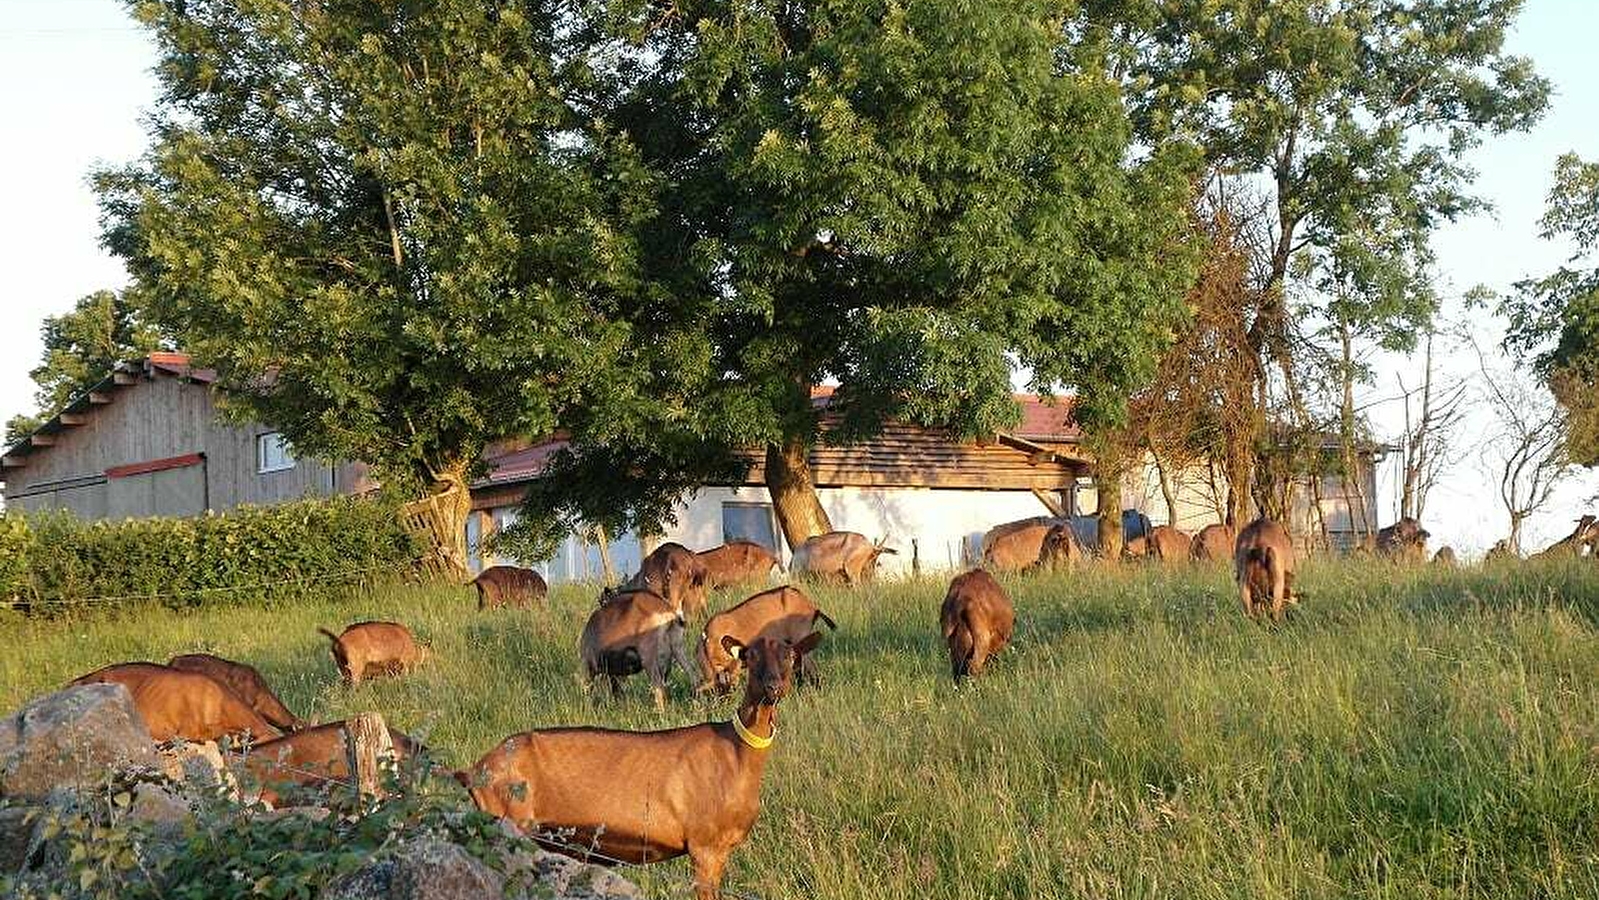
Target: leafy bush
[(245, 555), (16, 547)]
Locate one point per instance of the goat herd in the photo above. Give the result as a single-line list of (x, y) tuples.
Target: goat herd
[(692, 790)]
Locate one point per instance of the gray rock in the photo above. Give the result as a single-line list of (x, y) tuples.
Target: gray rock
[(153, 803), (426, 869), (313, 813), (17, 824), (199, 766), (571, 879), (71, 738)]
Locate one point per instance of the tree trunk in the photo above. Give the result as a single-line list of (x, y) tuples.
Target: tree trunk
[(1108, 489), (449, 484), (788, 478), (605, 555), (1166, 491), (1515, 533)]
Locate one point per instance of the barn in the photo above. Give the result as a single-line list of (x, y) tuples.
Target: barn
[(147, 441), (931, 496)]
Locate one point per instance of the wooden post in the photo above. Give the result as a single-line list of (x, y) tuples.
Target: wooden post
[(366, 738)]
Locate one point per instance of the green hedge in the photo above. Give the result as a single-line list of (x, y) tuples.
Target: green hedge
[(16, 547), (245, 555)]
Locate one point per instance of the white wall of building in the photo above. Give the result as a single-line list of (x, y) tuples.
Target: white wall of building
[(942, 529)]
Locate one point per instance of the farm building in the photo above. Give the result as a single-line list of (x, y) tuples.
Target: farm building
[(929, 495), (147, 441)]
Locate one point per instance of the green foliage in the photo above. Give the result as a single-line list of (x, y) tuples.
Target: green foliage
[(912, 200), (1139, 739), (390, 230), (17, 546), (1554, 319), (246, 555), (228, 850), (1356, 112), (80, 349)]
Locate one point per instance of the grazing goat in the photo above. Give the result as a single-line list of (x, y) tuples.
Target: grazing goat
[(1060, 549), (736, 562), (1163, 543), (311, 758), (632, 632), (1264, 567), (499, 586), (840, 556), (370, 649), (1017, 545), (242, 680), (782, 614), (178, 704), (675, 572), (977, 620), (1584, 538), (643, 797), (1445, 557), (1213, 543)]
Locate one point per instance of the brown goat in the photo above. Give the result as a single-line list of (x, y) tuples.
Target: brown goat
[(1445, 557), (977, 619), (1016, 545), (1264, 568), (1213, 543), (370, 649), (179, 704), (782, 614), (643, 797), (839, 556), (1585, 537), (1405, 541), (632, 632), (1060, 550), (675, 572), (499, 586), (736, 562), (311, 758), (244, 681)]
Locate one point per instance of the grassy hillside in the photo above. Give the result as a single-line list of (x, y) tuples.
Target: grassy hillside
[(1409, 734)]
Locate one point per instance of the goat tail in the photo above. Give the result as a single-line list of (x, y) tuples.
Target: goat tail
[(822, 617), (329, 635)]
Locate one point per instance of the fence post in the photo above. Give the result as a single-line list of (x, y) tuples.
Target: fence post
[(367, 739)]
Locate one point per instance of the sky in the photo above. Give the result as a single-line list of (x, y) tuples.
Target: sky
[(77, 85)]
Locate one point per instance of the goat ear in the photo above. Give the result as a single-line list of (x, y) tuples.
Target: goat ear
[(732, 646), (808, 643)]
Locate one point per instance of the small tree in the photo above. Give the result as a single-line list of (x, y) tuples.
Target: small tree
[(80, 348), (1556, 317), (1432, 420), (1528, 445)]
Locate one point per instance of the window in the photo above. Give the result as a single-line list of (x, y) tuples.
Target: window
[(272, 453), (749, 522)]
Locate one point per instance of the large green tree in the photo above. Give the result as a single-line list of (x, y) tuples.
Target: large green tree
[(80, 348), (1554, 319), (390, 226), (912, 200)]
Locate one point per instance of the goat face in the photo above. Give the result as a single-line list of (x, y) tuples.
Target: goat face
[(770, 664)]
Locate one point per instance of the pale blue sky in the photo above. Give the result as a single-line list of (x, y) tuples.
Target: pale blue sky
[(76, 80)]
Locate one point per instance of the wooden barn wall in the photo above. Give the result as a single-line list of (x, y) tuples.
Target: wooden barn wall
[(907, 456), (158, 419)]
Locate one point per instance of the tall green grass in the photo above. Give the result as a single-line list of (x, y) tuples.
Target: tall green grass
[(1409, 733)]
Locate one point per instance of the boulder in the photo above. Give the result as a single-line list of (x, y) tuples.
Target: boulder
[(154, 803), (72, 738), (198, 766), (425, 869)]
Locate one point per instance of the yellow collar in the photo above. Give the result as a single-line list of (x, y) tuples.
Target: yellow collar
[(754, 740)]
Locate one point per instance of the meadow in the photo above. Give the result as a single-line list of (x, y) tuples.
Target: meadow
[(1409, 733)]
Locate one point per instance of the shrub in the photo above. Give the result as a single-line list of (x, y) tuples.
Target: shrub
[(16, 547), (245, 555)]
